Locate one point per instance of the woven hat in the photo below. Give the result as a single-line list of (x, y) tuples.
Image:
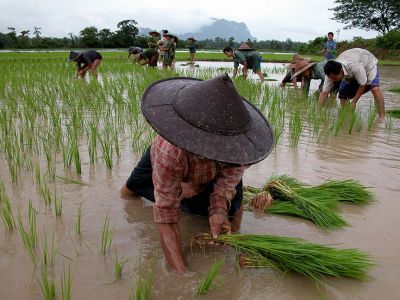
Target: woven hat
[(73, 55), (208, 118), (296, 58), (245, 47), (300, 67), (192, 38), (151, 32)]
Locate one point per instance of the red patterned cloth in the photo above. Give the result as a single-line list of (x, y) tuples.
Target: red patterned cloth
[(178, 174)]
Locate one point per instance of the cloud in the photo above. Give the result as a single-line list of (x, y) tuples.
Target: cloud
[(294, 19)]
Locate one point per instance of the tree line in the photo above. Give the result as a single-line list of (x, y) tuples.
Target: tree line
[(379, 15)]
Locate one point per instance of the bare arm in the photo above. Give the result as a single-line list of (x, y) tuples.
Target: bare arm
[(234, 72), (170, 237), (359, 93)]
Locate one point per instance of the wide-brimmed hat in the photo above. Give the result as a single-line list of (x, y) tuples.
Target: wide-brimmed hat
[(151, 32), (208, 118), (300, 67), (73, 55), (192, 38), (245, 47), (296, 58)]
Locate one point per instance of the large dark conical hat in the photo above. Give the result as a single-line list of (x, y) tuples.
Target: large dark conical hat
[(208, 118)]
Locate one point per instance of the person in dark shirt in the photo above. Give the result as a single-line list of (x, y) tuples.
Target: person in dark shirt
[(132, 50), (147, 57), (192, 49), (86, 60)]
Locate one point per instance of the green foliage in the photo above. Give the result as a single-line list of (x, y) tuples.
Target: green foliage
[(89, 37), (316, 203), (208, 280), (381, 15), (292, 254), (390, 40), (143, 281)]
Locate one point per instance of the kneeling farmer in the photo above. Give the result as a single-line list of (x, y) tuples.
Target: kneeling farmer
[(90, 59), (208, 136)]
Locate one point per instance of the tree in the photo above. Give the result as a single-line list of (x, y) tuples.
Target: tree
[(106, 38), (379, 15), (126, 33), (231, 41), (89, 37), (25, 32), (37, 32)]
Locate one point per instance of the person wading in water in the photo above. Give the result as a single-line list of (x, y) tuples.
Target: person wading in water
[(208, 136)]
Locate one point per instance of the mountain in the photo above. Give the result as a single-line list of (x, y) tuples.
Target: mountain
[(218, 28)]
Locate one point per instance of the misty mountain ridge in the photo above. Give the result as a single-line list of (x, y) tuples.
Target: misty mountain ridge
[(218, 28)]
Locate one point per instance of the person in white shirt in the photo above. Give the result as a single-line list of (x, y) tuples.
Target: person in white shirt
[(357, 71)]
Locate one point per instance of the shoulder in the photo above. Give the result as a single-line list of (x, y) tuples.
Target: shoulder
[(164, 152)]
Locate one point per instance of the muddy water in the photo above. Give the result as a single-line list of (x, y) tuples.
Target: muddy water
[(372, 157)]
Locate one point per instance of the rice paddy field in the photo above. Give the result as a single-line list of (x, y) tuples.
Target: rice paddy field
[(67, 146)]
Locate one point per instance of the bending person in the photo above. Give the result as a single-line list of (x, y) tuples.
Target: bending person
[(246, 56), (196, 164), (86, 60), (357, 72)]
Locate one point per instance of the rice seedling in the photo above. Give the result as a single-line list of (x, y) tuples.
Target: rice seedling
[(107, 150), (287, 254), (106, 237), (371, 116), (208, 280), (286, 195), (143, 281), (66, 283), (119, 264), (48, 258), (92, 142), (315, 208), (395, 113), (29, 235), (78, 220), (58, 205), (5, 209), (46, 282)]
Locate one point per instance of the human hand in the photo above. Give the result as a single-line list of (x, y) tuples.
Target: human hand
[(219, 223)]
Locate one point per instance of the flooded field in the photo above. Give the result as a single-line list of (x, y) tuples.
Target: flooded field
[(370, 155)]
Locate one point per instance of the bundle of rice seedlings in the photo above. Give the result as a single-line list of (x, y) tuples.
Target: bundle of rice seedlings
[(345, 191), (286, 195), (293, 254), (315, 209)]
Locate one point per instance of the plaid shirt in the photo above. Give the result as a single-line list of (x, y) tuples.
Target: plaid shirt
[(178, 174)]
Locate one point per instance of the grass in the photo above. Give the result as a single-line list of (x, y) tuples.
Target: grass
[(46, 282), (296, 255), (119, 264), (395, 113), (58, 205), (143, 281), (78, 220), (65, 283), (106, 237), (208, 280), (29, 234), (5, 209), (395, 90)]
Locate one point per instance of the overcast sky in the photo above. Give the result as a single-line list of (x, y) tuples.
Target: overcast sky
[(281, 19)]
